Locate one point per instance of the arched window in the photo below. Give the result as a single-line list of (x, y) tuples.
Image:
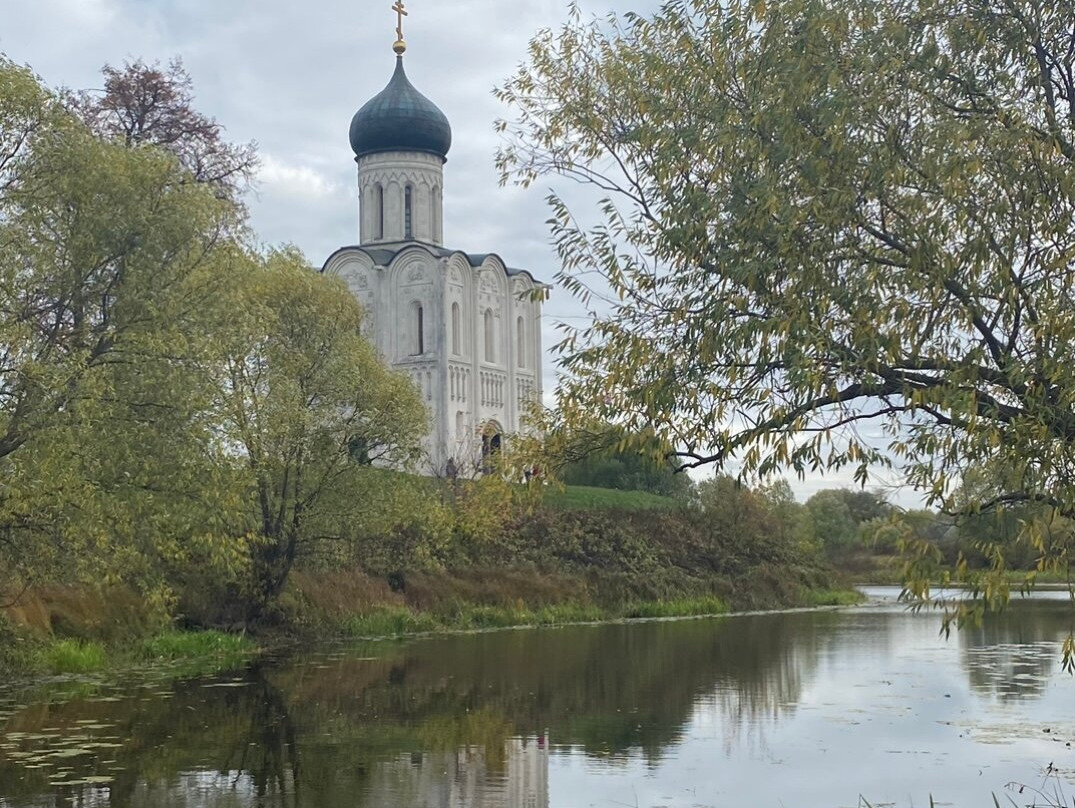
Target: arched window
[(456, 318), (435, 218), (418, 335), (520, 341), (490, 345), (408, 212), (378, 202)]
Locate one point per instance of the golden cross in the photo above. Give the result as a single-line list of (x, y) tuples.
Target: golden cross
[(401, 12)]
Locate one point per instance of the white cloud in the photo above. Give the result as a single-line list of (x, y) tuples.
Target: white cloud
[(296, 181)]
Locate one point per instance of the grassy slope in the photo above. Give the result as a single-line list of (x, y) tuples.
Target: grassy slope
[(363, 605), (584, 496)]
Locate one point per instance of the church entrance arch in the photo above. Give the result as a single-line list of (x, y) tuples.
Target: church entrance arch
[(492, 444)]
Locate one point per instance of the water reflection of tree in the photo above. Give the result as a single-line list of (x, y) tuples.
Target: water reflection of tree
[(209, 742), (608, 689), (320, 734), (775, 657), (1011, 655)]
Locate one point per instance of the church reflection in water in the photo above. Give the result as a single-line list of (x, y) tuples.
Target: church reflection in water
[(470, 777)]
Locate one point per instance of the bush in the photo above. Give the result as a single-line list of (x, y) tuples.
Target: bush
[(18, 650)]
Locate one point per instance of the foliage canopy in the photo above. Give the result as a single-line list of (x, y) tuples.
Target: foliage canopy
[(171, 401), (831, 234), (112, 269), (301, 388), (601, 455)]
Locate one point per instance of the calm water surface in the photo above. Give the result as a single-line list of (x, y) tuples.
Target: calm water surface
[(792, 710)]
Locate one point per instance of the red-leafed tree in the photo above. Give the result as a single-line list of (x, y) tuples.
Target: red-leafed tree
[(152, 104)]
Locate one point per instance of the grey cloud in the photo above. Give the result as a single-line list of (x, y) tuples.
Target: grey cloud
[(290, 76)]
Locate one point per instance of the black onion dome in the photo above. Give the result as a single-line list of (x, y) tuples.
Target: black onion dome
[(399, 118)]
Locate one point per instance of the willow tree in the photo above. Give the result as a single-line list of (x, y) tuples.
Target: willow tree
[(114, 269), (830, 234), (307, 404)]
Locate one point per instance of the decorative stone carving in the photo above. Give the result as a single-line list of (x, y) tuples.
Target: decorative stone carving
[(417, 274)]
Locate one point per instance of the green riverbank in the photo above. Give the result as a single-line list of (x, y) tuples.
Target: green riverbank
[(397, 622), (187, 653), (867, 569), (500, 560), (24, 653)]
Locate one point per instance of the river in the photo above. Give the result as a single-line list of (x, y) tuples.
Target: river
[(804, 709)]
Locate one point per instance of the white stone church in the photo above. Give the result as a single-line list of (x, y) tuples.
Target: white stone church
[(466, 327)]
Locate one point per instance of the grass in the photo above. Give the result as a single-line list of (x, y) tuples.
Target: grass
[(389, 621), (556, 496), (191, 652), (469, 617), (74, 656), (396, 621), (568, 613), (204, 650), (832, 597), (678, 607), (573, 497)]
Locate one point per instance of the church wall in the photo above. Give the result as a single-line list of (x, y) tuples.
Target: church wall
[(356, 270), (412, 285), (464, 335), (459, 416), (494, 367), (525, 374), (465, 392), (393, 210), (437, 212)]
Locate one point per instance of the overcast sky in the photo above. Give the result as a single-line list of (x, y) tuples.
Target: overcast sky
[(289, 76)]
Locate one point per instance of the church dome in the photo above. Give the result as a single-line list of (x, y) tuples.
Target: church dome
[(400, 118)]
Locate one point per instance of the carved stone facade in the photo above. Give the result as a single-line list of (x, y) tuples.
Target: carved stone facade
[(465, 328)]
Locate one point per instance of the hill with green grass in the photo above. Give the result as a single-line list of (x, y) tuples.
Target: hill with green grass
[(571, 497)]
